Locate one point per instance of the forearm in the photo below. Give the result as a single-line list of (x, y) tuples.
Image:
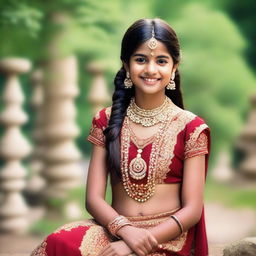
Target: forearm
[(101, 210), (169, 229)]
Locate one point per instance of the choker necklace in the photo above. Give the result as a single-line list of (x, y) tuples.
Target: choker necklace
[(148, 117)]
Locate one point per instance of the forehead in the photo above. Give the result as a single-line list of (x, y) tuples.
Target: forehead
[(160, 49)]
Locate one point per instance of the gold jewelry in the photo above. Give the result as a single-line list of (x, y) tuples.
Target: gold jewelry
[(152, 44), (178, 222), (147, 117), (117, 223), (171, 85), (138, 166), (127, 81), (141, 192)]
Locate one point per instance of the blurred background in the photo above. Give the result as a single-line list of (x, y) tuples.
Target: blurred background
[(58, 60)]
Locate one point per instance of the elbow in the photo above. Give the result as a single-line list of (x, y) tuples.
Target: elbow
[(197, 213), (91, 202)]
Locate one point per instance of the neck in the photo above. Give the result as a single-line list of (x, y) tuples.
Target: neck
[(149, 101)]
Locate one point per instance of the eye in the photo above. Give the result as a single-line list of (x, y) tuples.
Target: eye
[(140, 60), (162, 61)]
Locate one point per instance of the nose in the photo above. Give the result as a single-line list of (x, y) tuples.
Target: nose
[(151, 68)]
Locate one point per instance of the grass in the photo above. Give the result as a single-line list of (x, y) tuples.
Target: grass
[(230, 195)]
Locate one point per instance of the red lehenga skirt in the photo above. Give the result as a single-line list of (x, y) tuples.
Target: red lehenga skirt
[(88, 238)]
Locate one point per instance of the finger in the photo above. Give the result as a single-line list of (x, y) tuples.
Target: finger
[(141, 251), (153, 241), (106, 251), (148, 246)]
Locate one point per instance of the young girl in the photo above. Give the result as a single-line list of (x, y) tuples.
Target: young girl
[(156, 154)]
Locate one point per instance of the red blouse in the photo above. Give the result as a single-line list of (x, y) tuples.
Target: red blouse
[(185, 135)]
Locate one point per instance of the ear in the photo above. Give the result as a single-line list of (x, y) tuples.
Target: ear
[(175, 66), (126, 66)]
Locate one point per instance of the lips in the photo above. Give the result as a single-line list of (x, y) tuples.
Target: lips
[(150, 81)]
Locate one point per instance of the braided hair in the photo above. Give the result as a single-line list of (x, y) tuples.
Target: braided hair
[(138, 33)]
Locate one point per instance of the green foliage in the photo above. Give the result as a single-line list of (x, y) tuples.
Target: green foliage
[(215, 78), (230, 195)]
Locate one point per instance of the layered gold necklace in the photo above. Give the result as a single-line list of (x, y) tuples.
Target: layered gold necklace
[(147, 117), (137, 169)]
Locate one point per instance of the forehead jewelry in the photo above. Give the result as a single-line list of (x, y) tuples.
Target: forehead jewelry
[(152, 44)]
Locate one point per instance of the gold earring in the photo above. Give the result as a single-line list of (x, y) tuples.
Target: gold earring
[(171, 85), (127, 81)]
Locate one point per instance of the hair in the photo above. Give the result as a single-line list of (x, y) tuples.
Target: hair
[(138, 33)]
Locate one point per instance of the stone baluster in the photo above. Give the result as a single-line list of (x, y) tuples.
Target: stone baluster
[(247, 143), (62, 168), (13, 148), (36, 182), (98, 93)]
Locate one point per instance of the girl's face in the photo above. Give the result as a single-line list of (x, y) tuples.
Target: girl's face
[(150, 73)]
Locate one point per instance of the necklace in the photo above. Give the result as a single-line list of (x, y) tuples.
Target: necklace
[(138, 166), (148, 117), (133, 173)]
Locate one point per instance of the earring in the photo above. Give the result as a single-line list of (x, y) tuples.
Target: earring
[(171, 85), (127, 81)]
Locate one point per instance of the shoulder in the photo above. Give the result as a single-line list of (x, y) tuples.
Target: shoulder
[(193, 121), (101, 118)]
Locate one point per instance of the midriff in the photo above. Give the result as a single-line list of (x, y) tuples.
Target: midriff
[(166, 198)]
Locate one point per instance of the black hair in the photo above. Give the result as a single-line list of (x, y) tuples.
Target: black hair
[(138, 33)]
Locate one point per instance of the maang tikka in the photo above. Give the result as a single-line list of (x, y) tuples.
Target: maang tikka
[(171, 85), (152, 44)]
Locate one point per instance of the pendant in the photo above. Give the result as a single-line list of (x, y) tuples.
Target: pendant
[(138, 166)]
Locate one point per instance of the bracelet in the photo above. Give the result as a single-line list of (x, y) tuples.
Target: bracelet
[(117, 223), (178, 222)]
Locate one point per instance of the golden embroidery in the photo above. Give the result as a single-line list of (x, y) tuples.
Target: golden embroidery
[(174, 127), (97, 115), (94, 240), (176, 244), (108, 112), (69, 226), (96, 136), (40, 250), (197, 143)]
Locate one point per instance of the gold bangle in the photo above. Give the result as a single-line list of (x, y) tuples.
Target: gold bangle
[(178, 222), (117, 223)]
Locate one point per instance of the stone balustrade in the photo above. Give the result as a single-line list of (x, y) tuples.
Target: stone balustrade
[(13, 148)]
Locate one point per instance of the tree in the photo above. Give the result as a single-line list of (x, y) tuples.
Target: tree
[(216, 79)]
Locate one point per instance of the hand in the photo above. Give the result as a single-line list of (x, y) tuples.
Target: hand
[(140, 240), (119, 248)]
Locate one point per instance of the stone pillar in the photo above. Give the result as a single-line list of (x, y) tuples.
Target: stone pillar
[(62, 168), (223, 171), (98, 93), (36, 182), (247, 144), (13, 148)]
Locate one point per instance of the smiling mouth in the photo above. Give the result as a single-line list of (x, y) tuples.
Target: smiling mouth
[(150, 80)]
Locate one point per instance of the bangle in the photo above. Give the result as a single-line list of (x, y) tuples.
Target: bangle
[(178, 222), (117, 223)]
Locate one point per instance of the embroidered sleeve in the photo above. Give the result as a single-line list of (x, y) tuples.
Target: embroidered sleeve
[(99, 123), (197, 142)]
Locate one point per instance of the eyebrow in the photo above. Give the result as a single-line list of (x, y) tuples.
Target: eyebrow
[(143, 55)]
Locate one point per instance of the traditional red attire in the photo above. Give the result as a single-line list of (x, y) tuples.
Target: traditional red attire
[(184, 135)]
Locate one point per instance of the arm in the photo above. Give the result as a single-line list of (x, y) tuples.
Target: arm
[(192, 201), (96, 188)]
